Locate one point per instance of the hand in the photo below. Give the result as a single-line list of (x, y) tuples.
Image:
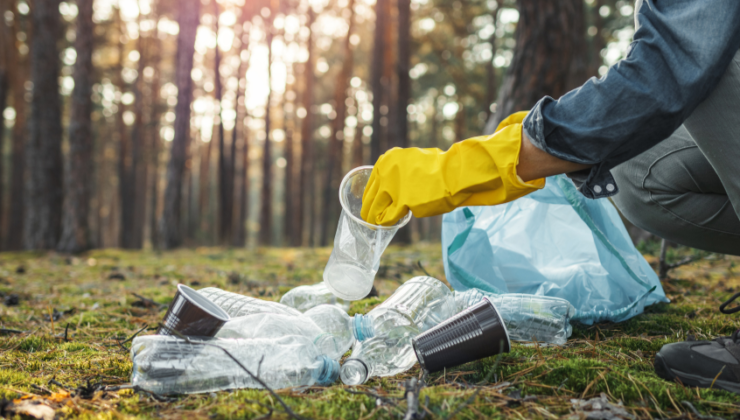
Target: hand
[(429, 182)]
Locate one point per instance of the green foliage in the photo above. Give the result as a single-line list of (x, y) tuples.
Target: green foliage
[(614, 359)]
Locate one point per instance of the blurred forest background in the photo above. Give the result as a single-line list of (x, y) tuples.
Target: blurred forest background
[(166, 123)]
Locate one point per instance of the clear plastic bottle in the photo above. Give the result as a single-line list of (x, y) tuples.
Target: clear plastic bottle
[(380, 322), (169, 365), (544, 319), (425, 300), (336, 326), (327, 326), (304, 298), (380, 356), (237, 305)]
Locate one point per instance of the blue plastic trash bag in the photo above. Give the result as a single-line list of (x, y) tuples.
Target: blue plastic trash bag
[(553, 242)]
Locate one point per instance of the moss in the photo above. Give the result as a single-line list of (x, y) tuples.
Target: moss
[(615, 359)]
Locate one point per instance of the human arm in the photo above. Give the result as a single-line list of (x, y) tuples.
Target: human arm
[(680, 51)]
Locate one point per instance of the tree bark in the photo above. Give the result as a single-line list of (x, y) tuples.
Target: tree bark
[(78, 182), (156, 109), (358, 149), (376, 77), (139, 144), (244, 194), (6, 43), (548, 58), (266, 194), (304, 213), (18, 77), (203, 182), (289, 119), (125, 173), (225, 190), (336, 141), (170, 228), (44, 152), (239, 236), (492, 86)]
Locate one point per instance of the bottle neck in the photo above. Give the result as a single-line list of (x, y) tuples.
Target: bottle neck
[(327, 372), (355, 372), (362, 327)]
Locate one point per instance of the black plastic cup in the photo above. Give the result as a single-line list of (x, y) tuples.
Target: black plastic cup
[(475, 333), (191, 313)]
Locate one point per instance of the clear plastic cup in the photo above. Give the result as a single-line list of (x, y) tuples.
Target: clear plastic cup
[(358, 245)]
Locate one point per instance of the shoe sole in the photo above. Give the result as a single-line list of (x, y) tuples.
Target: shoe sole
[(662, 370)]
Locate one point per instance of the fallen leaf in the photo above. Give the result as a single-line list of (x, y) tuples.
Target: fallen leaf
[(37, 411), (58, 396)]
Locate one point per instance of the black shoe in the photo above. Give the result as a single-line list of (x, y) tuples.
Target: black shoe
[(704, 364)]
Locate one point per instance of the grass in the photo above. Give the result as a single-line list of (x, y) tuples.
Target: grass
[(91, 296)]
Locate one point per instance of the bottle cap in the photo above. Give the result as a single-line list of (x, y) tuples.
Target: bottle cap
[(473, 334), (328, 371)]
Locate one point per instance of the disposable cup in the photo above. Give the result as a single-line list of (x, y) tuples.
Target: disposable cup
[(192, 314), (473, 334), (358, 245)]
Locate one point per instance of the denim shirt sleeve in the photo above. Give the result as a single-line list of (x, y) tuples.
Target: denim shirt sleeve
[(680, 51)]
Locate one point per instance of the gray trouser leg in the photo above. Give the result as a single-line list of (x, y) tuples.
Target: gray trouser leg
[(687, 188)]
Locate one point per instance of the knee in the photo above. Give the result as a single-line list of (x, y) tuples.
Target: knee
[(633, 199)]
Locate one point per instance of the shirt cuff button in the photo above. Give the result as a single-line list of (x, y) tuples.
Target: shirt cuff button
[(597, 189), (610, 187)]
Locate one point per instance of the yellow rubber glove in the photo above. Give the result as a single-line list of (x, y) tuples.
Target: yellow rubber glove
[(480, 171)]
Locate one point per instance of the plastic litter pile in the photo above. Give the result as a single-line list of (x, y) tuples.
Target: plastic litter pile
[(285, 347), (213, 339)]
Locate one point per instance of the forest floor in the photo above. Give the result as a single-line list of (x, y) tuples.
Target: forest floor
[(65, 319)]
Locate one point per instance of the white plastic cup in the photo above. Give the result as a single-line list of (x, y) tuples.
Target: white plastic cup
[(358, 245)]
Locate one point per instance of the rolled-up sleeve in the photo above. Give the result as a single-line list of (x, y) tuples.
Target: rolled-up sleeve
[(680, 51)]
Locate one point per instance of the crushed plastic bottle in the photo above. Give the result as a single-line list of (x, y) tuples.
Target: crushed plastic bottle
[(304, 298), (335, 324), (327, 326), (544, 319), (380, 356), (426, 301), (169, 365), (380, 322), (237, 305)]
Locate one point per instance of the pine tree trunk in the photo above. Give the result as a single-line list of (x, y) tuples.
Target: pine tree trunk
[(125, 159), (549, 56), (44, 152), (203, 186), (170, 228), (303, 212), (492, 86), (18, 76), (266, 194), (139, 145), (237, 238), (358, 149), (376, 77), (289, 218), (155, 141), (336, 141), (225, 191), (78, 182), (244, 195), (3, 102), (6, 43), (240, 237)]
